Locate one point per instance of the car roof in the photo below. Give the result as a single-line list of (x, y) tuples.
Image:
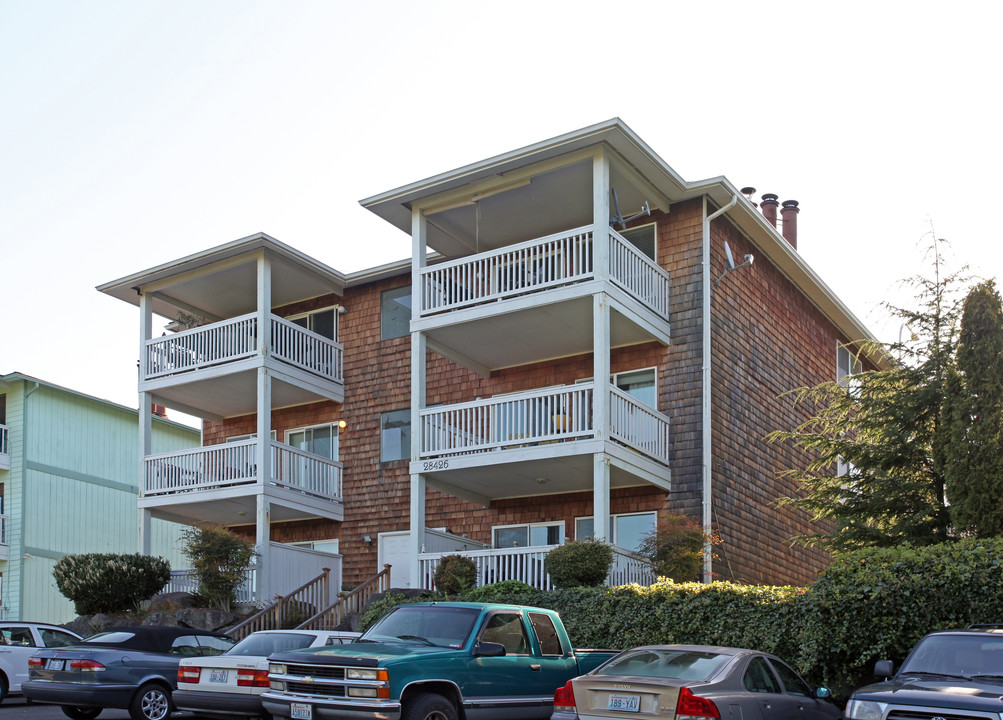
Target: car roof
[(155, 638)]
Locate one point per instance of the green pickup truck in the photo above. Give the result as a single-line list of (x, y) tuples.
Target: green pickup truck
[(434, 661)]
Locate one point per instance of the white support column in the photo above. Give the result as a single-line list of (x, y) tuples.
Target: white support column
[(416, 539), (262, 530), (263, 448), (600, 497), (145, 418), (600, 213)]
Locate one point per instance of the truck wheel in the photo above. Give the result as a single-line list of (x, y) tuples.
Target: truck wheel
[(3, 686), (151, 702), (428, 706), (80, 713)]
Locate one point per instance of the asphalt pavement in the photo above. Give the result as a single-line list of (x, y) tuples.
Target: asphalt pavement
[(16, 707)]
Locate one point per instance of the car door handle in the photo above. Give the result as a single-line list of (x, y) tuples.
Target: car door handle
[(534, 668)]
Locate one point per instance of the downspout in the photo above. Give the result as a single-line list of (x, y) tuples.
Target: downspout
[(24, 495), (705, 414)]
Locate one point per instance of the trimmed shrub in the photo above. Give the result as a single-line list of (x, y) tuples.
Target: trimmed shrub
[(506, 588), (579, 563), (220, 559), (455, 574), (109, 583), (675, 549)]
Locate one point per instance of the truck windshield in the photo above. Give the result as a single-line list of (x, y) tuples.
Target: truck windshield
[(956, 655), (430, 625)]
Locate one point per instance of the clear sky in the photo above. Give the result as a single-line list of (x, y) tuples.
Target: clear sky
[(134, 132)]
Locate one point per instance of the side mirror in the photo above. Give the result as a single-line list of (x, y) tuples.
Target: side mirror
[(823, 693), (884, 668), (489, 649)]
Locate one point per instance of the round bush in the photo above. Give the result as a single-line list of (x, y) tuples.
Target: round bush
[(579, 563), (108, 583), (455, 574)]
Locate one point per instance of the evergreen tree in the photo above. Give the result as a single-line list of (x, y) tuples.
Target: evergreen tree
[(975, 402), (886, 429)]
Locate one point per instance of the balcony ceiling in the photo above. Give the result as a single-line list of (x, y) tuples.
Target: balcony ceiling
[(232, 510), (519, 337), (222, 282), (231, 395)]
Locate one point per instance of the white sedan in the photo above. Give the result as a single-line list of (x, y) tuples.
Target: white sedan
[(18, 642), (231, 684)]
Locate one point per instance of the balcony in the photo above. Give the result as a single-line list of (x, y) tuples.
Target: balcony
[(214, 367), (219, 484), (541, 292), (526, 564), (4, 448), (541, 441)]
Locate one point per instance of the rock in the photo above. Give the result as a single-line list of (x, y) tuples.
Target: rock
[(161, 618), (205, 619), (171, 601)]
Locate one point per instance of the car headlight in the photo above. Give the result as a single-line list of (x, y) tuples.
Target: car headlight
[(276, 669), (360, 674), (865, 710)]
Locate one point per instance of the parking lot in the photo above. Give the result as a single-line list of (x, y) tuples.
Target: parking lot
[(16, 708)]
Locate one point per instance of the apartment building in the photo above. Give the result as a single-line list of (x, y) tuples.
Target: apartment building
[(581, 343), (68, 485)]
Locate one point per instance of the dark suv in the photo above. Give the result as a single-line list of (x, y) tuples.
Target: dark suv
[(955, 674)]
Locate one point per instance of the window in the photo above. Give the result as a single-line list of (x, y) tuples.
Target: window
[(546, 633), (758, 678), (793, 684), (642, 237), (328, 546), (320, 440), (626, 530), (395, 435), (395, 313), (642, 385), (323, 322), (507, 629), (57, 638), (529, 535), (847, 365)]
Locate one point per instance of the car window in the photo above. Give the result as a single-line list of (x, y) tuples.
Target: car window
[(57, 638), (546, 633), (507, 629), (677, 664), (793, 684), (19, 636), (212, 645), (186, 646), (337, 640), (759, 678)]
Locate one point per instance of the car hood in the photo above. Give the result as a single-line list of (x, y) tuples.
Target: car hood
[(365, 654), (941, 692)]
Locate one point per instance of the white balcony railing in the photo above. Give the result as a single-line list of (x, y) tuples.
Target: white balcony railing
[(236, 339), (540, 416), (535, 265), (526, 564), (235, 463), (4, 440)]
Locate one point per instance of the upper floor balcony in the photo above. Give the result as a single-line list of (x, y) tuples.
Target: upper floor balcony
[(541, 441), (219, 484), (540, 291), (4, 447), (215, 365)]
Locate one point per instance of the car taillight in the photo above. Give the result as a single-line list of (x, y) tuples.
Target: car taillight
[(252, 678), (34, 662), (564, 698), (86, 666), (691, 707), (188, 674)]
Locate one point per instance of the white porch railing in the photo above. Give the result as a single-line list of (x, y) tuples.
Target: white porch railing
[(235, 463), (507, 421), (637, 426), (4, 440), (535, 265), (236, 339), (187, 581), (539, 416), (526, 564)]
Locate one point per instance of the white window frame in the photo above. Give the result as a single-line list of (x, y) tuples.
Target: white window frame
[(310, 313), (847, 364), (612, 519), (335, 432), (406, 450), (311, 545), (615, 376), (529, 526), (406, 292), (247, 436), (654, 240)]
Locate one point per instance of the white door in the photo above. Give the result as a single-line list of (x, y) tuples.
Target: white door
[(392, 549)]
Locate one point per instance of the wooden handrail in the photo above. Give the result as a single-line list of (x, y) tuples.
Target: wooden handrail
[(316, 592), (348, 603)]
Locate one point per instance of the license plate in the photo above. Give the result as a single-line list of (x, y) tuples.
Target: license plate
[(53, 664), (300, 711), (217, 676), (626, 703)]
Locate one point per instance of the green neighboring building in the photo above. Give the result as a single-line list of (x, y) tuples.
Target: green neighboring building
[(68, 484)]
